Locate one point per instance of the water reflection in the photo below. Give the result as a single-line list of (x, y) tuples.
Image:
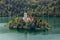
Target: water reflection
[(43, 32), (53, 34)]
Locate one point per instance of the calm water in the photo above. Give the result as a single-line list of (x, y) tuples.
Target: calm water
[(53, 34)]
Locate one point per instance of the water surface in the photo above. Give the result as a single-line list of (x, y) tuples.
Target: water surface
[(53, 34)]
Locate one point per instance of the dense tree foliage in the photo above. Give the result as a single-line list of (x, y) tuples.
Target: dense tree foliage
[(33, 7)]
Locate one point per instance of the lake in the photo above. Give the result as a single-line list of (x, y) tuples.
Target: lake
[(53, 34)]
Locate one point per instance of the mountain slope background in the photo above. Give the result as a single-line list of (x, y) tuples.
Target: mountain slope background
[(32, 7)]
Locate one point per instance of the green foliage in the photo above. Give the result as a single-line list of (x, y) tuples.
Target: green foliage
[(17, 7)]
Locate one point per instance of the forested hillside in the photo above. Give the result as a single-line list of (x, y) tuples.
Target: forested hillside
[(33, 7)]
